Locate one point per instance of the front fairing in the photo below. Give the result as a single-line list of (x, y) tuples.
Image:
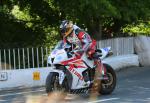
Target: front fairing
[(57, 56)]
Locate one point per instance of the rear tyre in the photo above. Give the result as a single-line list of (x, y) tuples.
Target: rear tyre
[(108, 86)]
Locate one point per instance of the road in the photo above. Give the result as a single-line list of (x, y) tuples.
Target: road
[(133, 86)]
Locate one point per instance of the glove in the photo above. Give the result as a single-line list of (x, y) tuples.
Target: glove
[(78, 52)]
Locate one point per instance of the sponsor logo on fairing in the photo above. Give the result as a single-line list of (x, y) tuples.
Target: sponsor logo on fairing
[(72, 70)]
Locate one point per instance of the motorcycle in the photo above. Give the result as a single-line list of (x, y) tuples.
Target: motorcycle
[(75, 74)]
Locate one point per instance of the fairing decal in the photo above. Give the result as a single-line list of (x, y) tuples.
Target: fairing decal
[(72, 70)]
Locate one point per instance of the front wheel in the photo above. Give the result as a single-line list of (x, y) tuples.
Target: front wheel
[(108, 85), (52, 84)]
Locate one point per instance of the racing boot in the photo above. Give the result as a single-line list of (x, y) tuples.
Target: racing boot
[(100, 74)]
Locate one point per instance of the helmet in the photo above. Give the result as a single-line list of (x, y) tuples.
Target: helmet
[(66, 28)]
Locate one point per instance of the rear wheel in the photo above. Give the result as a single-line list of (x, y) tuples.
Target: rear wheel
[(108, 85)]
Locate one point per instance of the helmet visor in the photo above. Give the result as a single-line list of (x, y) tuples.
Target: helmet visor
[(65, 30), (62, 31)]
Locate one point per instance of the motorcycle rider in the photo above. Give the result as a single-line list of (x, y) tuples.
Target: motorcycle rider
[(72, 34)]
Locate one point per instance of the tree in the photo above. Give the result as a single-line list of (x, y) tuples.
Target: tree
[(38, 20), (87, 13), (104, 16), (20, 26), (130, 11)]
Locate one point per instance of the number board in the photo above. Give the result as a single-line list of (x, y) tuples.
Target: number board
[(3, 76)]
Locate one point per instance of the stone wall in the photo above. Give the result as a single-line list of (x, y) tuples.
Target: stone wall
[(142, 48)]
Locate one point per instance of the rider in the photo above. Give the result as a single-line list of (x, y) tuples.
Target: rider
[(72, 34)]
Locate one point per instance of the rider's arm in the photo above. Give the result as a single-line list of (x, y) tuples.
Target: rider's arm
[(85, 40)]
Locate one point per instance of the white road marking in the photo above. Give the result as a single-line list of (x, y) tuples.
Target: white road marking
[(44, 94), (142, 87), (3, 100), (10, 94), (103, 100)]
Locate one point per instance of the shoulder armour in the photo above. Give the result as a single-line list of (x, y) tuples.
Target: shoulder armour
[(77, 31)]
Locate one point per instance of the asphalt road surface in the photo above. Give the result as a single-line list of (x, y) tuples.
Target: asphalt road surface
[(133, 86)]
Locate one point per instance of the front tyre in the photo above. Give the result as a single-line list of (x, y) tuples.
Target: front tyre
[(107, 86), (52, 82), (53, 86)]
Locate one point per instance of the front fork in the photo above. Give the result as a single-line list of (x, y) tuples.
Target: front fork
[(61, 75), (101, 69)]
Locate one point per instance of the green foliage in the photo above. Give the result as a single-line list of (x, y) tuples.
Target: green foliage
[(140, 28), (21, 15), (52, 36), (19, 28), (129, 11), (88, 14), (36, 22)]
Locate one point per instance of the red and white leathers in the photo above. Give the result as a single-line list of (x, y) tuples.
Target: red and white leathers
[(81, 39), (84, 42)]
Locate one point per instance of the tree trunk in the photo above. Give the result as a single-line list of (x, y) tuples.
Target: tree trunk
[(98, 34), (96, 29)]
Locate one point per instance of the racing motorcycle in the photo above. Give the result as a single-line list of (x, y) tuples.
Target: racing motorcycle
[(75, 74)]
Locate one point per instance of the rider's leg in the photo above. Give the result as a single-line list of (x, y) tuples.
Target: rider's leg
[(99, 66)]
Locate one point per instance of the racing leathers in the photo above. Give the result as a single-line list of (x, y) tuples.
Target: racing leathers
[(82, 40), (85, 43)]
